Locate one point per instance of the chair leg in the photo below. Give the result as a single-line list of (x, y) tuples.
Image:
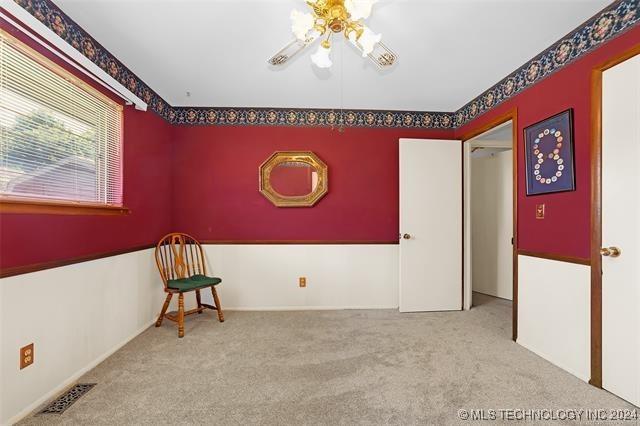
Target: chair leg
[(217, 303), (164, 309), (199, 301), (181, 315)]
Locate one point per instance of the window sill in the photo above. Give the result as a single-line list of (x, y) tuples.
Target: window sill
[(34, 206)]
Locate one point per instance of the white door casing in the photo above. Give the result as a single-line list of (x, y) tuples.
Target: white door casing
[(431, 218), (620, 228)]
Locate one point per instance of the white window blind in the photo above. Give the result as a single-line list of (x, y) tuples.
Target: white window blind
[(60, 138)]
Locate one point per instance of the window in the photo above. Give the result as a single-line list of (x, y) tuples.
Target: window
[(60, 139)]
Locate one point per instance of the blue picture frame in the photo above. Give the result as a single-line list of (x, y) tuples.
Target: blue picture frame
[(549, 156)]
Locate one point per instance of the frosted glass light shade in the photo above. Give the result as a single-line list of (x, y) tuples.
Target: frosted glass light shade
[(321, 58), (301, 23), (368, 41), (359, 9)]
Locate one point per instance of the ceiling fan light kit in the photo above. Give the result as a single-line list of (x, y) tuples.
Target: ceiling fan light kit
[(335, 16), (322, 57)]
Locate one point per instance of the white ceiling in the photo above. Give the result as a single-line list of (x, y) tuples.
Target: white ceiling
[(450, 50)]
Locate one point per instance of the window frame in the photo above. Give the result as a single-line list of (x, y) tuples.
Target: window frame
[(35, 205)]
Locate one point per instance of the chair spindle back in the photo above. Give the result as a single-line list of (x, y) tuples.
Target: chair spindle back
[(179, 256)]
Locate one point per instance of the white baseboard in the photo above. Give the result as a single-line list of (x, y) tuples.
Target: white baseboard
[(305, 308)]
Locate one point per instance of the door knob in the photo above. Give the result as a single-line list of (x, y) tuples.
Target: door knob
[(406, 236), (610, 251)]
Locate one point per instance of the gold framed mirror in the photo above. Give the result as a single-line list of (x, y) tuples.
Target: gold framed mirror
[(293, 179)]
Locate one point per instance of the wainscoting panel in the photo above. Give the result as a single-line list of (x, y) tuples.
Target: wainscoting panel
[(554, 312), (265, 277), (76, 315)]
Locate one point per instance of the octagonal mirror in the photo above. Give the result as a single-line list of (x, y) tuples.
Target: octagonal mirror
[(293, 179)]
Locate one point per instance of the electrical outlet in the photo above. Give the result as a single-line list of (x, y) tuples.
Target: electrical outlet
[(302, 281), (26, 356)]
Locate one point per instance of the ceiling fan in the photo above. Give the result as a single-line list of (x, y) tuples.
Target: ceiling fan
[(335, 16)]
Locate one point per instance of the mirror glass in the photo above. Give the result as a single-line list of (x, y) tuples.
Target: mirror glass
[(294, 178)]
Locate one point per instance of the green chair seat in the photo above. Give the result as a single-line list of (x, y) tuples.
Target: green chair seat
[(193, 283)]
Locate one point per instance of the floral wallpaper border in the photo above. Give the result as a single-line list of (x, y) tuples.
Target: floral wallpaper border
[(615, 19), (54, 18), (311, 117), (611, 22)]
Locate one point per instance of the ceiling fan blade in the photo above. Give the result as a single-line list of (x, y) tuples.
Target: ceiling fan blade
[(382, 56), (288, 52)]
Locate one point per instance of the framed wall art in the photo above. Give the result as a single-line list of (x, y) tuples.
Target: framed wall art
[(549, 155)]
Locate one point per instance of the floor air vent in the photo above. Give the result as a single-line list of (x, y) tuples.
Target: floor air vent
[(67, 399)]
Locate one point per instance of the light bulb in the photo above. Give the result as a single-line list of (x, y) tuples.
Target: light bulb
[(301, 23), (359, 9), (321, 58)]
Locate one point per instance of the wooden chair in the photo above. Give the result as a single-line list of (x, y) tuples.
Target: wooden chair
[(180, 260)]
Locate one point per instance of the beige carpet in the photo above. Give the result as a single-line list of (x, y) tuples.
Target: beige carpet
[(326, 367)]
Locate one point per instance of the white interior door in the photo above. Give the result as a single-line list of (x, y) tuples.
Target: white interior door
[(620, 213), (430, 225)]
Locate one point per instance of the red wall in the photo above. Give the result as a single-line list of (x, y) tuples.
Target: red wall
[(27, 239), (216, 183), (209, 187), (566, 227)]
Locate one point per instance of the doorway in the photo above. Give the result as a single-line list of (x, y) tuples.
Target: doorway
[(497, 137), (490, 204)]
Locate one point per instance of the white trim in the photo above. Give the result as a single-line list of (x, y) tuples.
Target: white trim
[(467, 296), (71, 380), (79, 61)]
